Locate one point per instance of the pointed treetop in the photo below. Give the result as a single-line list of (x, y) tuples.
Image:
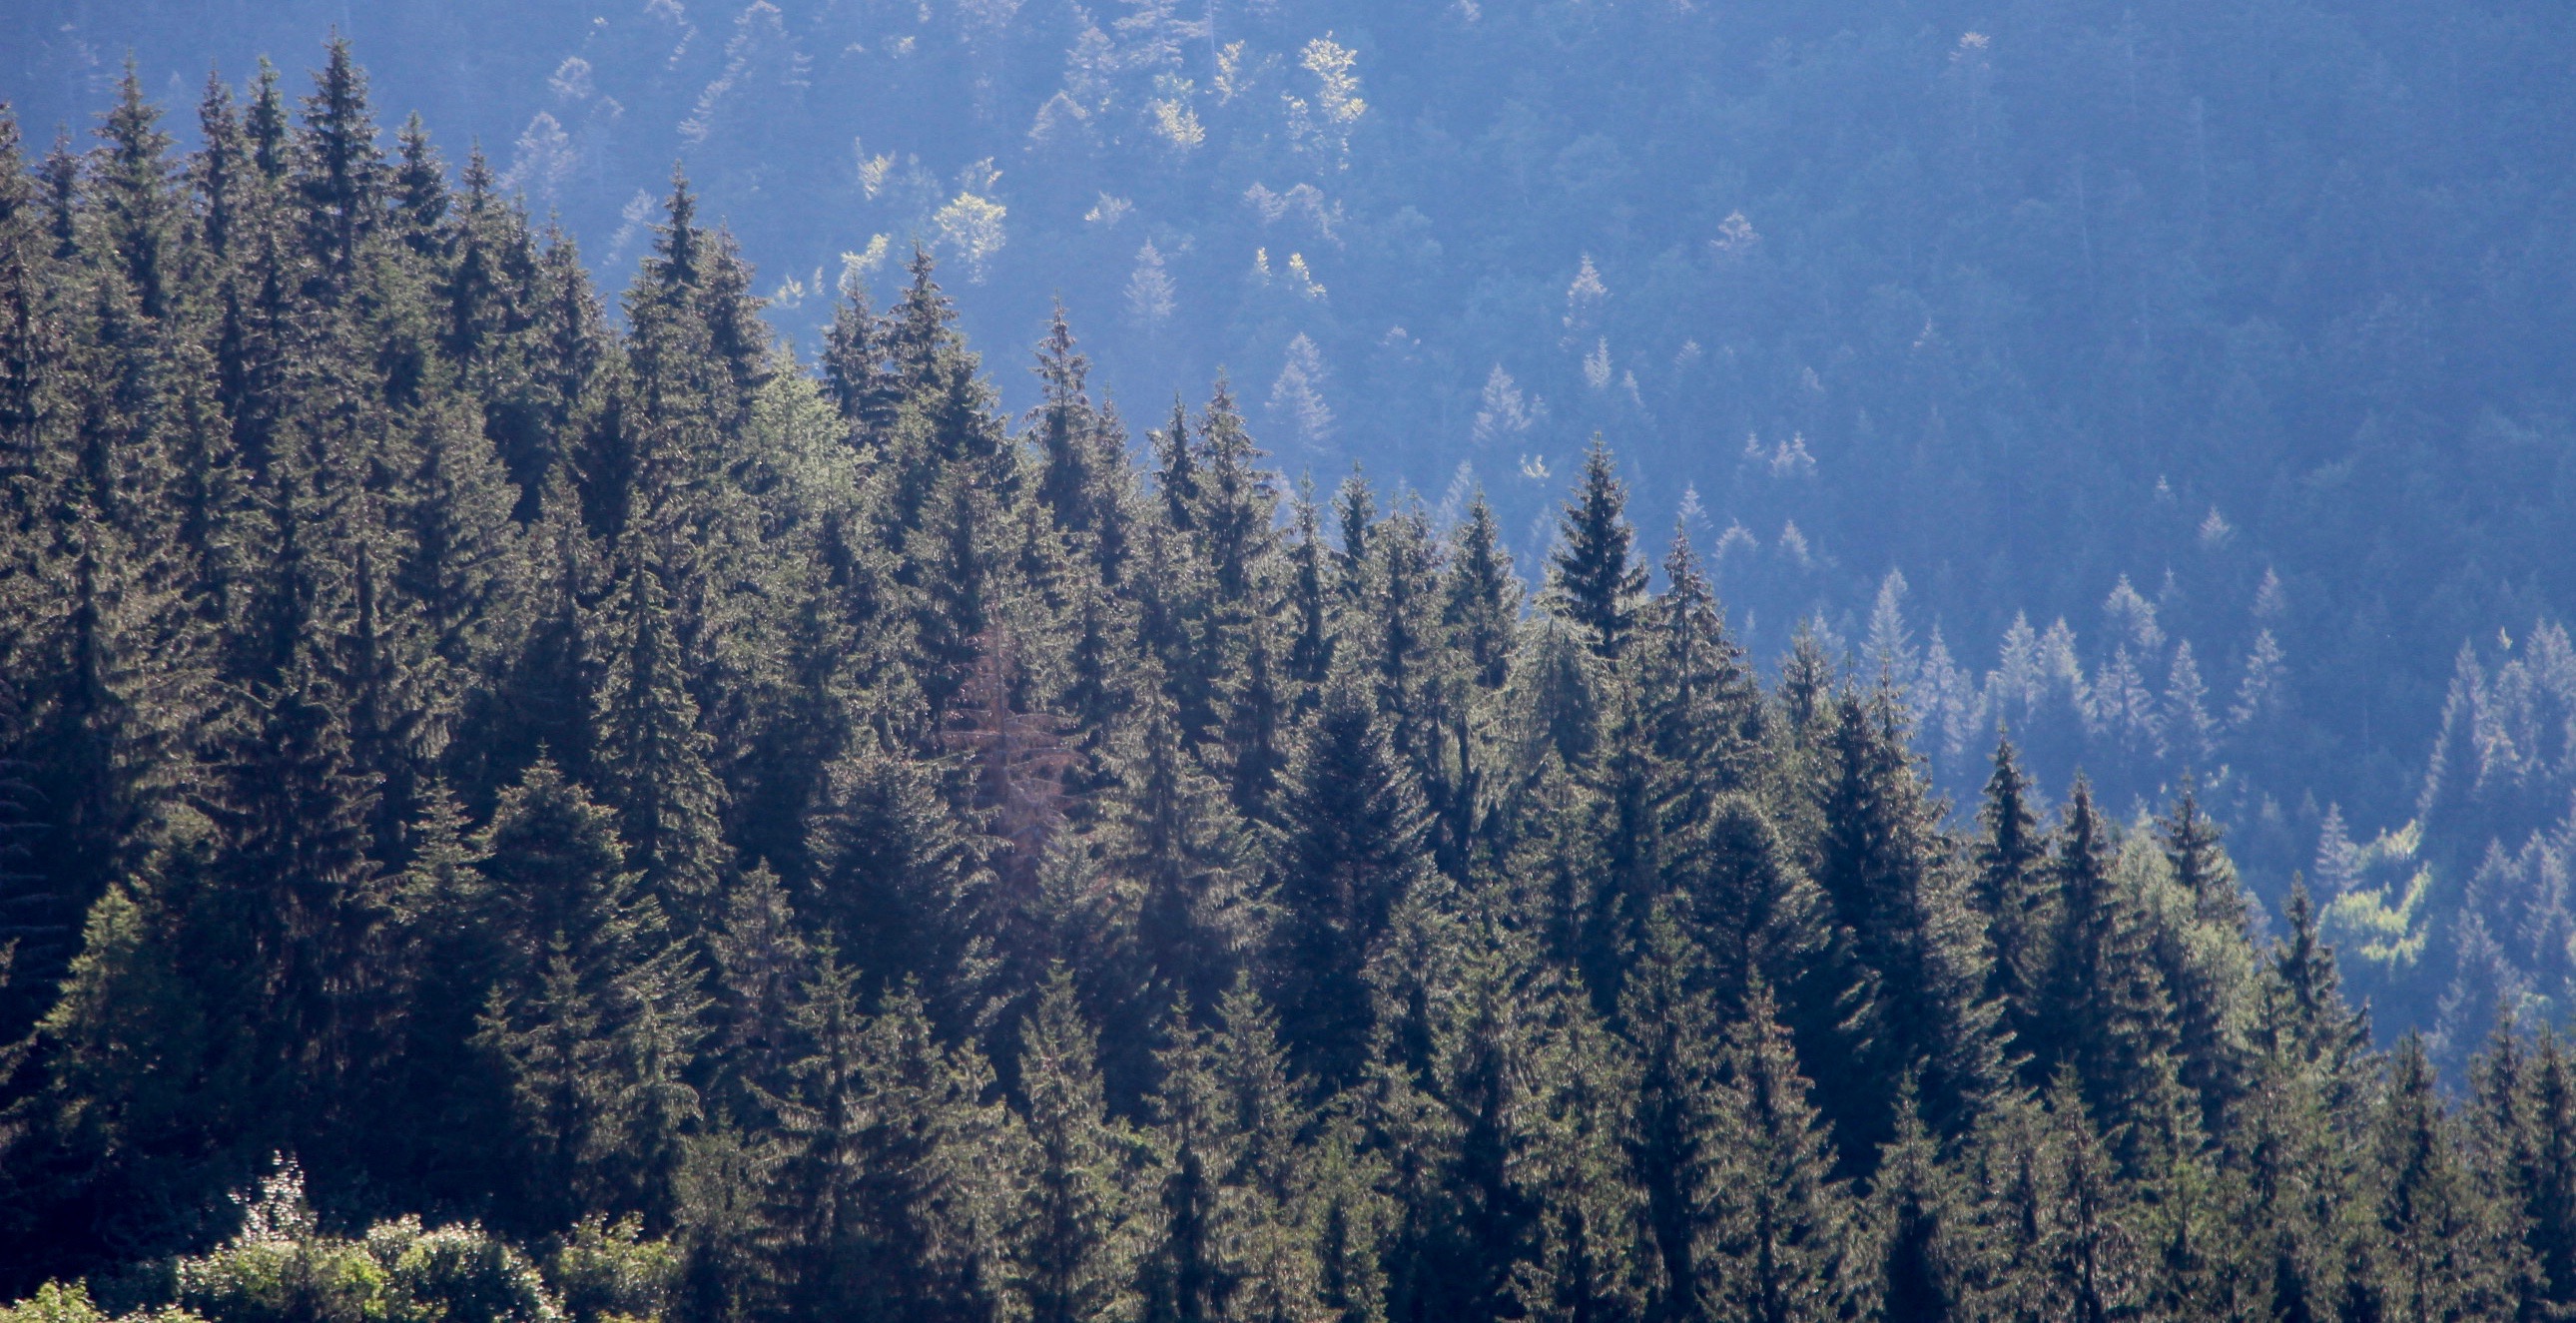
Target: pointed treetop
[(267, 121), (676, 263), (1592, 579)]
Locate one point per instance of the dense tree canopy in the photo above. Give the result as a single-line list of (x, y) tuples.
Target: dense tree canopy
[(514, 813)]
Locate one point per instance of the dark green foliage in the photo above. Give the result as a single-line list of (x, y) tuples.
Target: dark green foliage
[(2107, 1022), (783, 846), (1592, 580), (1888, 883), (1349, 845)]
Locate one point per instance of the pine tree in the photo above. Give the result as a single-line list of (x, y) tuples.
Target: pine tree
[(1282, 1195), (1591, 579)]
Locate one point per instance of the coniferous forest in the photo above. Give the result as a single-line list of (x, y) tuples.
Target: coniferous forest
[(519, 802)]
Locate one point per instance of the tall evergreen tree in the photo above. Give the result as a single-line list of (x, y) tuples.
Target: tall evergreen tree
[(1071, 1235), (1348, 850), (652, 755), (1782, 1244), (2015, 894), (338, 167), (2108, 1019), (1880, 865), (1592, 580)]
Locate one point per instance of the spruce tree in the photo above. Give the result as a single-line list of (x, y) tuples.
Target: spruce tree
[(1680, 1138), (132, 196), (418, 190), (651, 755), (1880, 866), (854, 366), (2301, 1016), (294, 896), (2536, 1150), (595, 1012), (1781, 1245), (1920, 1230), (1592, 580), (1480, 597), (1702, 704), (760, 960), (2108, 1018), (2015, 894), (2435, 1252), (339, 170), (2087, 1255), (2201, 950), (1070, 1234), (1173, 834), (894, 878), (1348, 848)]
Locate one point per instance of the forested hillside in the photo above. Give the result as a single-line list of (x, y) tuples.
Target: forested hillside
[(2018, 299), (514, 811), (2181, 383)]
